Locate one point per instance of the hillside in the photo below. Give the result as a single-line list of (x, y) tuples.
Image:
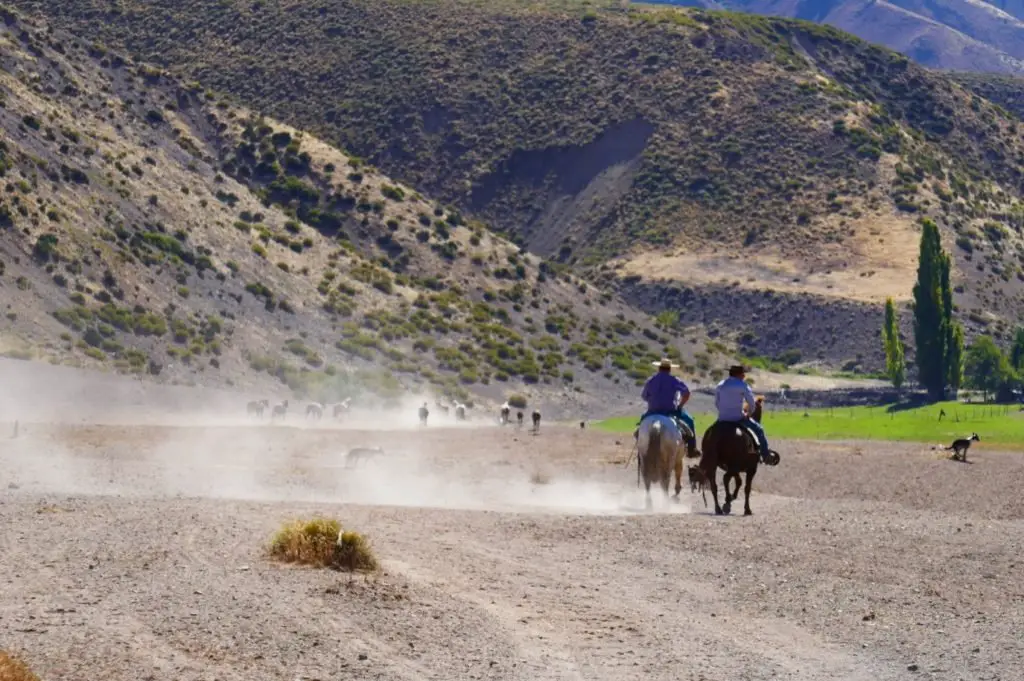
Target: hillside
[(152, 228), (763, 177), (1006, 91), (961, 35)]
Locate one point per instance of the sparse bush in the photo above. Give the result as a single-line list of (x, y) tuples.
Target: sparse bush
[(393, 193), (320, 542), (517, 401), (45, 248)]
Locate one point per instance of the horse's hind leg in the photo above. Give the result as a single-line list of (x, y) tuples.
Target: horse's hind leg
[(729, 496), (746, 490), (713, 486), (735, 494)]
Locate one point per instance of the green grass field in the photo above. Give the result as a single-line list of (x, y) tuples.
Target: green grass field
[(997, 425)]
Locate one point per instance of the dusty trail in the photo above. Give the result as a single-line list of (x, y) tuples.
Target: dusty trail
[(135, 553)]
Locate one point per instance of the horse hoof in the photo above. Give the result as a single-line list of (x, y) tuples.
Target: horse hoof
[(748, 512), (718, 511)]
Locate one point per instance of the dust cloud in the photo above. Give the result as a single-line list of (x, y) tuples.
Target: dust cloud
[(95, 435)]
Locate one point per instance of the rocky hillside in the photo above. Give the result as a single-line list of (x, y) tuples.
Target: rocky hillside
[(962, 35), (1006, 91), (150, 227), (765, 177)]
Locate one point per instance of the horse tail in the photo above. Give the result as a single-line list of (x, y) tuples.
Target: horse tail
[(653, 452), (654, 436), (709, 450)]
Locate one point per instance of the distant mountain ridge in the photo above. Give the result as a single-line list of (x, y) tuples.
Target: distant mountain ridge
[(957, 35)]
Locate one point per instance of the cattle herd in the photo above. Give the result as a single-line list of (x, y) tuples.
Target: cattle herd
[(316, 410)]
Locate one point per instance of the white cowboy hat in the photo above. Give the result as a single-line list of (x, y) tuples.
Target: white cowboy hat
[(665, 363)]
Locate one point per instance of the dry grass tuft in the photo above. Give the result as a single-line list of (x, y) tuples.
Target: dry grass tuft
[(309, 542), (353, 553), (320, 542), (539, 478), (13, 669)]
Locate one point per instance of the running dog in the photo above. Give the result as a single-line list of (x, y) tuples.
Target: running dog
[(960, 447), (354, 455)]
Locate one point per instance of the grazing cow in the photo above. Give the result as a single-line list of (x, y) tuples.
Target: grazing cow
[(315, 410), (279, 410), (341, 407), (424, 413), (583, 424), (357, 453), (519, 418), (460, 412), (536, 420), (256, 407), (505, 411)]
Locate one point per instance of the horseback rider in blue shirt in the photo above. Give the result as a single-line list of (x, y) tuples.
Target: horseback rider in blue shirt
[(660, 394), (730, 395)]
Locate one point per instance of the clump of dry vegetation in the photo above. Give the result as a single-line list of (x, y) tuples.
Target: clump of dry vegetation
[(353, 553), (321, 542), (13, 669)]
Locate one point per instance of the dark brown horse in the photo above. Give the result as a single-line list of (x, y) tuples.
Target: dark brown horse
[(730, 447)]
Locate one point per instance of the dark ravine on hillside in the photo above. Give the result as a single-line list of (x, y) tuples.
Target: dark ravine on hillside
[(785, 130)]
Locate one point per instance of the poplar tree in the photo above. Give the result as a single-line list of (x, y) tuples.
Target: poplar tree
[(1017, 350), (955, 357), (895, 365), (932, 310)]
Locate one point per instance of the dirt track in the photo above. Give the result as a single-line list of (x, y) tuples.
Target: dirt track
[(135, 553)]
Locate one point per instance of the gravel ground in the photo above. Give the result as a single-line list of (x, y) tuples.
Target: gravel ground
[(136, 552)]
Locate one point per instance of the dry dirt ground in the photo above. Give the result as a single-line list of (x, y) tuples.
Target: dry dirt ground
[(136, 552)]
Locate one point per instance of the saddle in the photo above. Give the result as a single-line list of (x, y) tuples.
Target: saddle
[(740, 426), (773, 456)]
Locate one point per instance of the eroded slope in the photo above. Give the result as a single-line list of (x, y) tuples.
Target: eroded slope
[(151, 227)]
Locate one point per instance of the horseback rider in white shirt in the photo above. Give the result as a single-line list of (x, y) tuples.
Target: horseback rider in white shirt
[(730, 396)]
